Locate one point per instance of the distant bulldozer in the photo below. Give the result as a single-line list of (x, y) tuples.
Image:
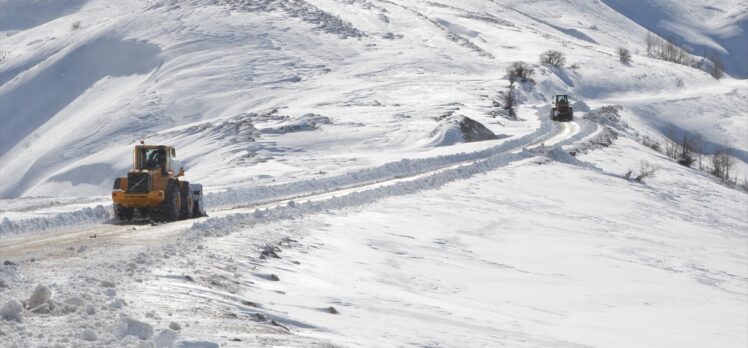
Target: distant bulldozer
[(153, 188), (561, 109)]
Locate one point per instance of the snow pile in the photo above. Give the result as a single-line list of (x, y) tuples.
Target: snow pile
[(41, 294), (12, 310), (306, 122), (89, 334), (459, 129), (83, 310), (80, 217), (224, 225), (402, 168), (132, 327), (307, 12)]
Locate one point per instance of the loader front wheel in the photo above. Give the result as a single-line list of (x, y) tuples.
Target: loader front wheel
[(170, 208), (187, 203), (123, 213)]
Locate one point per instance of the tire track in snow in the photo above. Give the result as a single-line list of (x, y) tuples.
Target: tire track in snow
[(238, 198), (358, 188), (289, 208)]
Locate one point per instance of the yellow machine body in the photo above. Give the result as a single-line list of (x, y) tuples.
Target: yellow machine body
[(150, 193)]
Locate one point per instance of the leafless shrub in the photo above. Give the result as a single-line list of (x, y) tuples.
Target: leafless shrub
[(624, 55), (646, 171), (744, 185), (652, 144), (663, 49), (508, 101), (269, 250), (507, 98), (717, 69), (519, 72), (554, 58), (686, 148), (75, 25), (288, 241), (607, 114), (722, 164)]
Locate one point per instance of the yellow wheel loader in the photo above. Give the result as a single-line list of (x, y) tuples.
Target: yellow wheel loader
[(561, 109), (153, 189)]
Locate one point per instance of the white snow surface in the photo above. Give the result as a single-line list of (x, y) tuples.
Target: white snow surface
[(345, 206)]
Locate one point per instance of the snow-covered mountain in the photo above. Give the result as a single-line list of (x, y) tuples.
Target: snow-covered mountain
[(366, 187), (91, 78)]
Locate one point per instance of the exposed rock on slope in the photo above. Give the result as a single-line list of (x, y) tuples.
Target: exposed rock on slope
[(460, 129)]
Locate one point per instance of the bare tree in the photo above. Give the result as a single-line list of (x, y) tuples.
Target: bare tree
[(650, 40), (717, 69), (509, 101), (744, 185), (660, 48), (519, 71), (646, 171), (684, 148), (687, 151), (722, 164), (554, 58), (699, 144), (671, 147), (624, 55)]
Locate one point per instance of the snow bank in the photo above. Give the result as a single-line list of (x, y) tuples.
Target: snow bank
[(196, 344), (132, 327), (307, 122), (402, 168), (459, 129), (227, 224), (41, 294), (80, 217), (12, 310)]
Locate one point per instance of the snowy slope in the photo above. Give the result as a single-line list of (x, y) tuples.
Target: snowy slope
[(717, 27), (327, 134), (184, 73)]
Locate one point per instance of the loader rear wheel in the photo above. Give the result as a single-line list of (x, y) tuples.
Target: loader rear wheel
[(169, 209), (196, 210), (187, 205), (123, 213)]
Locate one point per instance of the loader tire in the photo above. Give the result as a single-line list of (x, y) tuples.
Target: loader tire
[(123, 213), (144, 212), (170, 208), (187, 204), (196, 210)]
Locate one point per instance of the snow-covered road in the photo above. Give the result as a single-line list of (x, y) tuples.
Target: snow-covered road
[(107, 245), (107, 235)]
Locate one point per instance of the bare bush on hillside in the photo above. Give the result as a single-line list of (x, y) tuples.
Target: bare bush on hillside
[(552, 57)]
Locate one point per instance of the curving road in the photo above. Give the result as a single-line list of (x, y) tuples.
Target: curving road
[(104, 237)]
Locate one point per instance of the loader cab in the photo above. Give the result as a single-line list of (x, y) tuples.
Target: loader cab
[(562, 109), (561, 99), (154, 157)]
